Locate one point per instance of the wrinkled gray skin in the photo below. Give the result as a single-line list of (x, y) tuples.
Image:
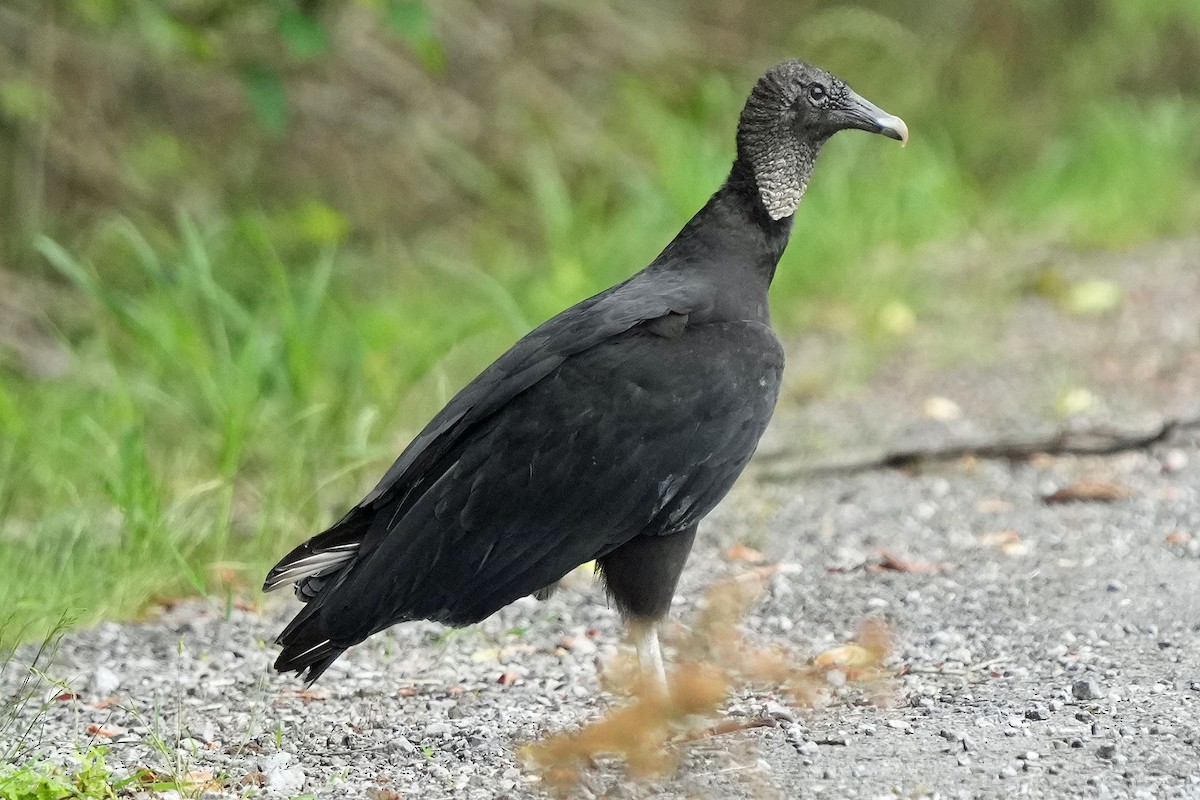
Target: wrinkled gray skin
[(791, 113)]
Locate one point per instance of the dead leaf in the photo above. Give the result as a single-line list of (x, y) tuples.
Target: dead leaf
[(846, 655), (107, 731), (408, 691), (1178, 537), (165, 602), (508, 678), (377, 793), (892, 563), (741, 552), (992, 505), (997, 538), (1007, 542), (728, 726), (201, 780), (65, 696), (107, 702), (307, 695), (253, 779), (1088, 489)]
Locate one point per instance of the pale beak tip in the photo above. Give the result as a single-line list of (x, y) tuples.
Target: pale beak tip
[(893, 127)]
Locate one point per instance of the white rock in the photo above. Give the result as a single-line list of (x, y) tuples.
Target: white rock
[(104, 681), (275, 761), (285, 780), (778, 711), (438, 729)]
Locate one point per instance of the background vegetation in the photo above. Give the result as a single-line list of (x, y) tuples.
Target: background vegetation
[(248, 246)]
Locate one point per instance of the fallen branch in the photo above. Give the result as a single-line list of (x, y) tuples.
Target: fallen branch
[(1094, 442)]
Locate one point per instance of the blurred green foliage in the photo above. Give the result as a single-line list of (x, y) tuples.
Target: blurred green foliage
[(248, 246)]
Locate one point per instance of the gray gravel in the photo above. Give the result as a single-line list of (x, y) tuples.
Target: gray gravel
[(1055, 651)]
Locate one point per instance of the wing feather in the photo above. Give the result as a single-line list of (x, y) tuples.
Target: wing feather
[(484, 534), (434, 450)]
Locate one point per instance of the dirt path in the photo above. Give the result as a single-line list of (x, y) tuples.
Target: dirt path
[(1043, 648)]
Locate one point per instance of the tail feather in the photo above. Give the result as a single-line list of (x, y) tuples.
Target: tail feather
[(311, 564), (322, 555), (316, 567), (308, 650)]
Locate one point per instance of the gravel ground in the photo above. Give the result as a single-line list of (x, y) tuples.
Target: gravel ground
[(1042, 649)]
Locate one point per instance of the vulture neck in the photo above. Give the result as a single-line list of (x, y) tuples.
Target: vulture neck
[(732, 242)]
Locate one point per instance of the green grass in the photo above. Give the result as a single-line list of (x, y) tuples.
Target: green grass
[(23, 776), (225, 398), (42, 781)]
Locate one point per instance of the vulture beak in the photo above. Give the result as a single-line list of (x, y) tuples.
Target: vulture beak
[(860, 113)]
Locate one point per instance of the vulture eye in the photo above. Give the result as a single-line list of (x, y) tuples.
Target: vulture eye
[(817, 93)]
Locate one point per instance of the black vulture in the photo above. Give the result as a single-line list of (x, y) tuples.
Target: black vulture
[(605, 434)]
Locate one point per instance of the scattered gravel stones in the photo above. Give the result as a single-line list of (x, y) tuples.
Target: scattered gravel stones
[(280, 776), (1037, 712), (809, 748), (1001, 653), (777, 711)]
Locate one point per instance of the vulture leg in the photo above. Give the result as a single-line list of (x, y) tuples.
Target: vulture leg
[(645, 640), (640, 577)]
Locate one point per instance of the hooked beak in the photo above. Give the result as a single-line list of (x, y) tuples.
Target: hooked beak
[(864, 115)]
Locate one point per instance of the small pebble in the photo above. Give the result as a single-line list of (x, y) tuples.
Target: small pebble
[(1086, 689), (778, 711), (104, 681), (1174, 460), (437, 730)]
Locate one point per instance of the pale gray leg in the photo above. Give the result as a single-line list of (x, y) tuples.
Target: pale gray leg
[(650, 660)]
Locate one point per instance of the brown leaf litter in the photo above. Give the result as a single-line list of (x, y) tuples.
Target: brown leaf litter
[(1088, 489), (713, 660)]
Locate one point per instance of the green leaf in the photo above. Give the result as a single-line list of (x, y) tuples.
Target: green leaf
[(430, 53), (304, 35), (267, 97), (24, 100), (321, 224), (409, 19), (1092, 298)]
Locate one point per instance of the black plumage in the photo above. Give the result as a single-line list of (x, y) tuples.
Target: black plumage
[(605, 434)]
